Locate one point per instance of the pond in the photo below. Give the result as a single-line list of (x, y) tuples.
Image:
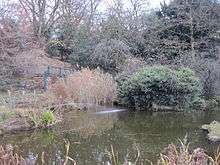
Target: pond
[(92, 132)]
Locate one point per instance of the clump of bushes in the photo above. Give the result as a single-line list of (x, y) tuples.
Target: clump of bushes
[(56, 48), (86, 86), (110, 55), (159, 85)]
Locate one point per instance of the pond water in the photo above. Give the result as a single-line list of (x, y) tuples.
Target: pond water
[(91, 134)]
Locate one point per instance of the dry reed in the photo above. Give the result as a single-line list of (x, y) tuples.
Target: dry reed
[(174, 155), (86, 86), (9, 157)]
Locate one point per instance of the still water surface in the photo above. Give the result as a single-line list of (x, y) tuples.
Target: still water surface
[(91, 133)]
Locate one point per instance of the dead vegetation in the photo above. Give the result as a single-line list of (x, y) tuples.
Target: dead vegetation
[(36, 61), (8, 156), (172, 155), (181, 155), (86, 86), (27, 111)]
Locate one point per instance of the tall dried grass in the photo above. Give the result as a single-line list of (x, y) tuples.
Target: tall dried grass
[(174, 155), (8, 156), (86, 86)]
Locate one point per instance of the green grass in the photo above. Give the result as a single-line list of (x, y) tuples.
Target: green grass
[(47, 118)]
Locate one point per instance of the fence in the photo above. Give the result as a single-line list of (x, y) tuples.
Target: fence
[(55, 71), (38, 80)]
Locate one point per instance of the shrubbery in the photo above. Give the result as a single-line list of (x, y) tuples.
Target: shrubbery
[(159, 85), (56, 48), (109, 55)]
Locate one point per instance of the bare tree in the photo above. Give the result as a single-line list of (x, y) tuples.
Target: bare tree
[(42, 14)]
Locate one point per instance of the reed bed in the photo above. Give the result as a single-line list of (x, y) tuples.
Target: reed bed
[(172, 155), (8, 156), (86, 86)]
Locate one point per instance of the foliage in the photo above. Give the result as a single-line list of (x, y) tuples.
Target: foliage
[(159, 85), (180, 33), (56, 48), (80, 43), (217, 99), (47, 118), (86, 86), (199, 104), (110, 54), (212, 103), (179, 28)]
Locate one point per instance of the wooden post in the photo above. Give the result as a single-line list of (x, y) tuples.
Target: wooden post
[(46, 78), (10, 99), (48, 70), (24, 86), (61, 72)]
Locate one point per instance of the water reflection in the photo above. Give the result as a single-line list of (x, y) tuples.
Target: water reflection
[(91, 135)]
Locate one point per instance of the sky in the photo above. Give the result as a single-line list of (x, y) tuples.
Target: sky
[(156, 3), (103, 5), (152, 3)]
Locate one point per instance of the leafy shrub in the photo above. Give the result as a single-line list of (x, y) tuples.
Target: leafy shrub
[(47, 118), (159, 85), (56, 48), (86, 86), (110, 55), (198, 104), (217, 99), (212, 103)]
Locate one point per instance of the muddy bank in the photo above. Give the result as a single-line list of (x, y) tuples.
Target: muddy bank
[(18, 124), (28, 120)]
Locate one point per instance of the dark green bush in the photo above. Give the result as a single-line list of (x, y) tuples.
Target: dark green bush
[(211, 104), (198, 104), (56, 48), (161, 86), (110, 55)]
